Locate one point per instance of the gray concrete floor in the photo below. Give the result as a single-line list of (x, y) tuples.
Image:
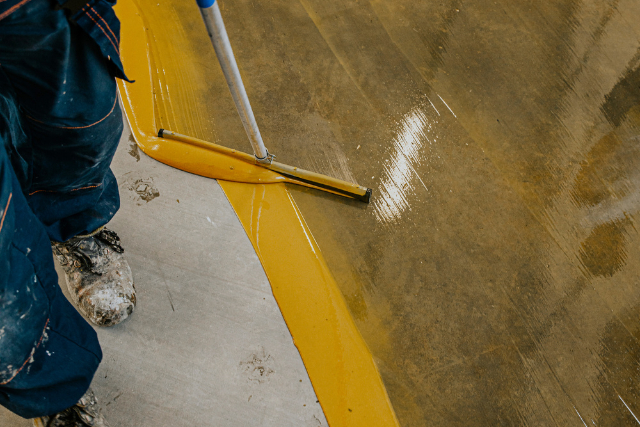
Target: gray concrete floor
[(207, 344)]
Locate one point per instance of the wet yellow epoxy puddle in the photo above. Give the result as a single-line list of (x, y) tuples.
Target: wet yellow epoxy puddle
[(175, 70)]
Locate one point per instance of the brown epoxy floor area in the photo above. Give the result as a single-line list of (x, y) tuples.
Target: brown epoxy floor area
[(495, 274)]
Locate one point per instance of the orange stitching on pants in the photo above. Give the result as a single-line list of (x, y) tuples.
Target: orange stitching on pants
[(13, 9), (5, 211), (54, 191), (84, 7), (103, 32), (76, 127), (28, 358), (106, 24)]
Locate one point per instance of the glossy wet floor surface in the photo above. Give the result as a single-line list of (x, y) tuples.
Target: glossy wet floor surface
[(495, 275)]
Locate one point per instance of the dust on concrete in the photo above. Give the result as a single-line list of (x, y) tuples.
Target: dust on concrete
[(142, 190), (258, 366), (133, 148), (145, 189)]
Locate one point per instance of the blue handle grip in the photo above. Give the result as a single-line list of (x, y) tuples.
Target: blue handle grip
[(203, 4)]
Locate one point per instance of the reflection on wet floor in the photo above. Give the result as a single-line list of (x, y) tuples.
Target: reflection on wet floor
[(495, 274)]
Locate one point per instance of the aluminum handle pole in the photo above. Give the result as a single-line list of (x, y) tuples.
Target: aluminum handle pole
[(218, 35)]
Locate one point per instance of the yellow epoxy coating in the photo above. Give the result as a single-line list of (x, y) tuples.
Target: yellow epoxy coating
[(138, 100), (494, 275), (168, 93)]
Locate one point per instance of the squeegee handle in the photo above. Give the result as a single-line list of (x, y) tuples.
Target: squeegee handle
[(218, 35)]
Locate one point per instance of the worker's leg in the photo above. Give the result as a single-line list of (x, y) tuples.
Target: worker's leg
[(68, 96), (66, 91), (48, 352)]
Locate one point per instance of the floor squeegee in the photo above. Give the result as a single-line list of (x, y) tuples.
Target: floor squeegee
[(218, 35)]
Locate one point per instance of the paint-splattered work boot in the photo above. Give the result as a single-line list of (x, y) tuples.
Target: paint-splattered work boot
[(85, 413), (98, 276)]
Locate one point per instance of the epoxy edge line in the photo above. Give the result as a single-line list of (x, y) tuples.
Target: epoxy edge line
[(340, 366)]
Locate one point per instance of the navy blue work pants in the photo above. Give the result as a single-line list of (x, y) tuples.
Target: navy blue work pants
[(59, 128)]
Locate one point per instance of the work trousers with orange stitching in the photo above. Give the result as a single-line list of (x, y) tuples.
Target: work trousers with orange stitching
[(59, 128)]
